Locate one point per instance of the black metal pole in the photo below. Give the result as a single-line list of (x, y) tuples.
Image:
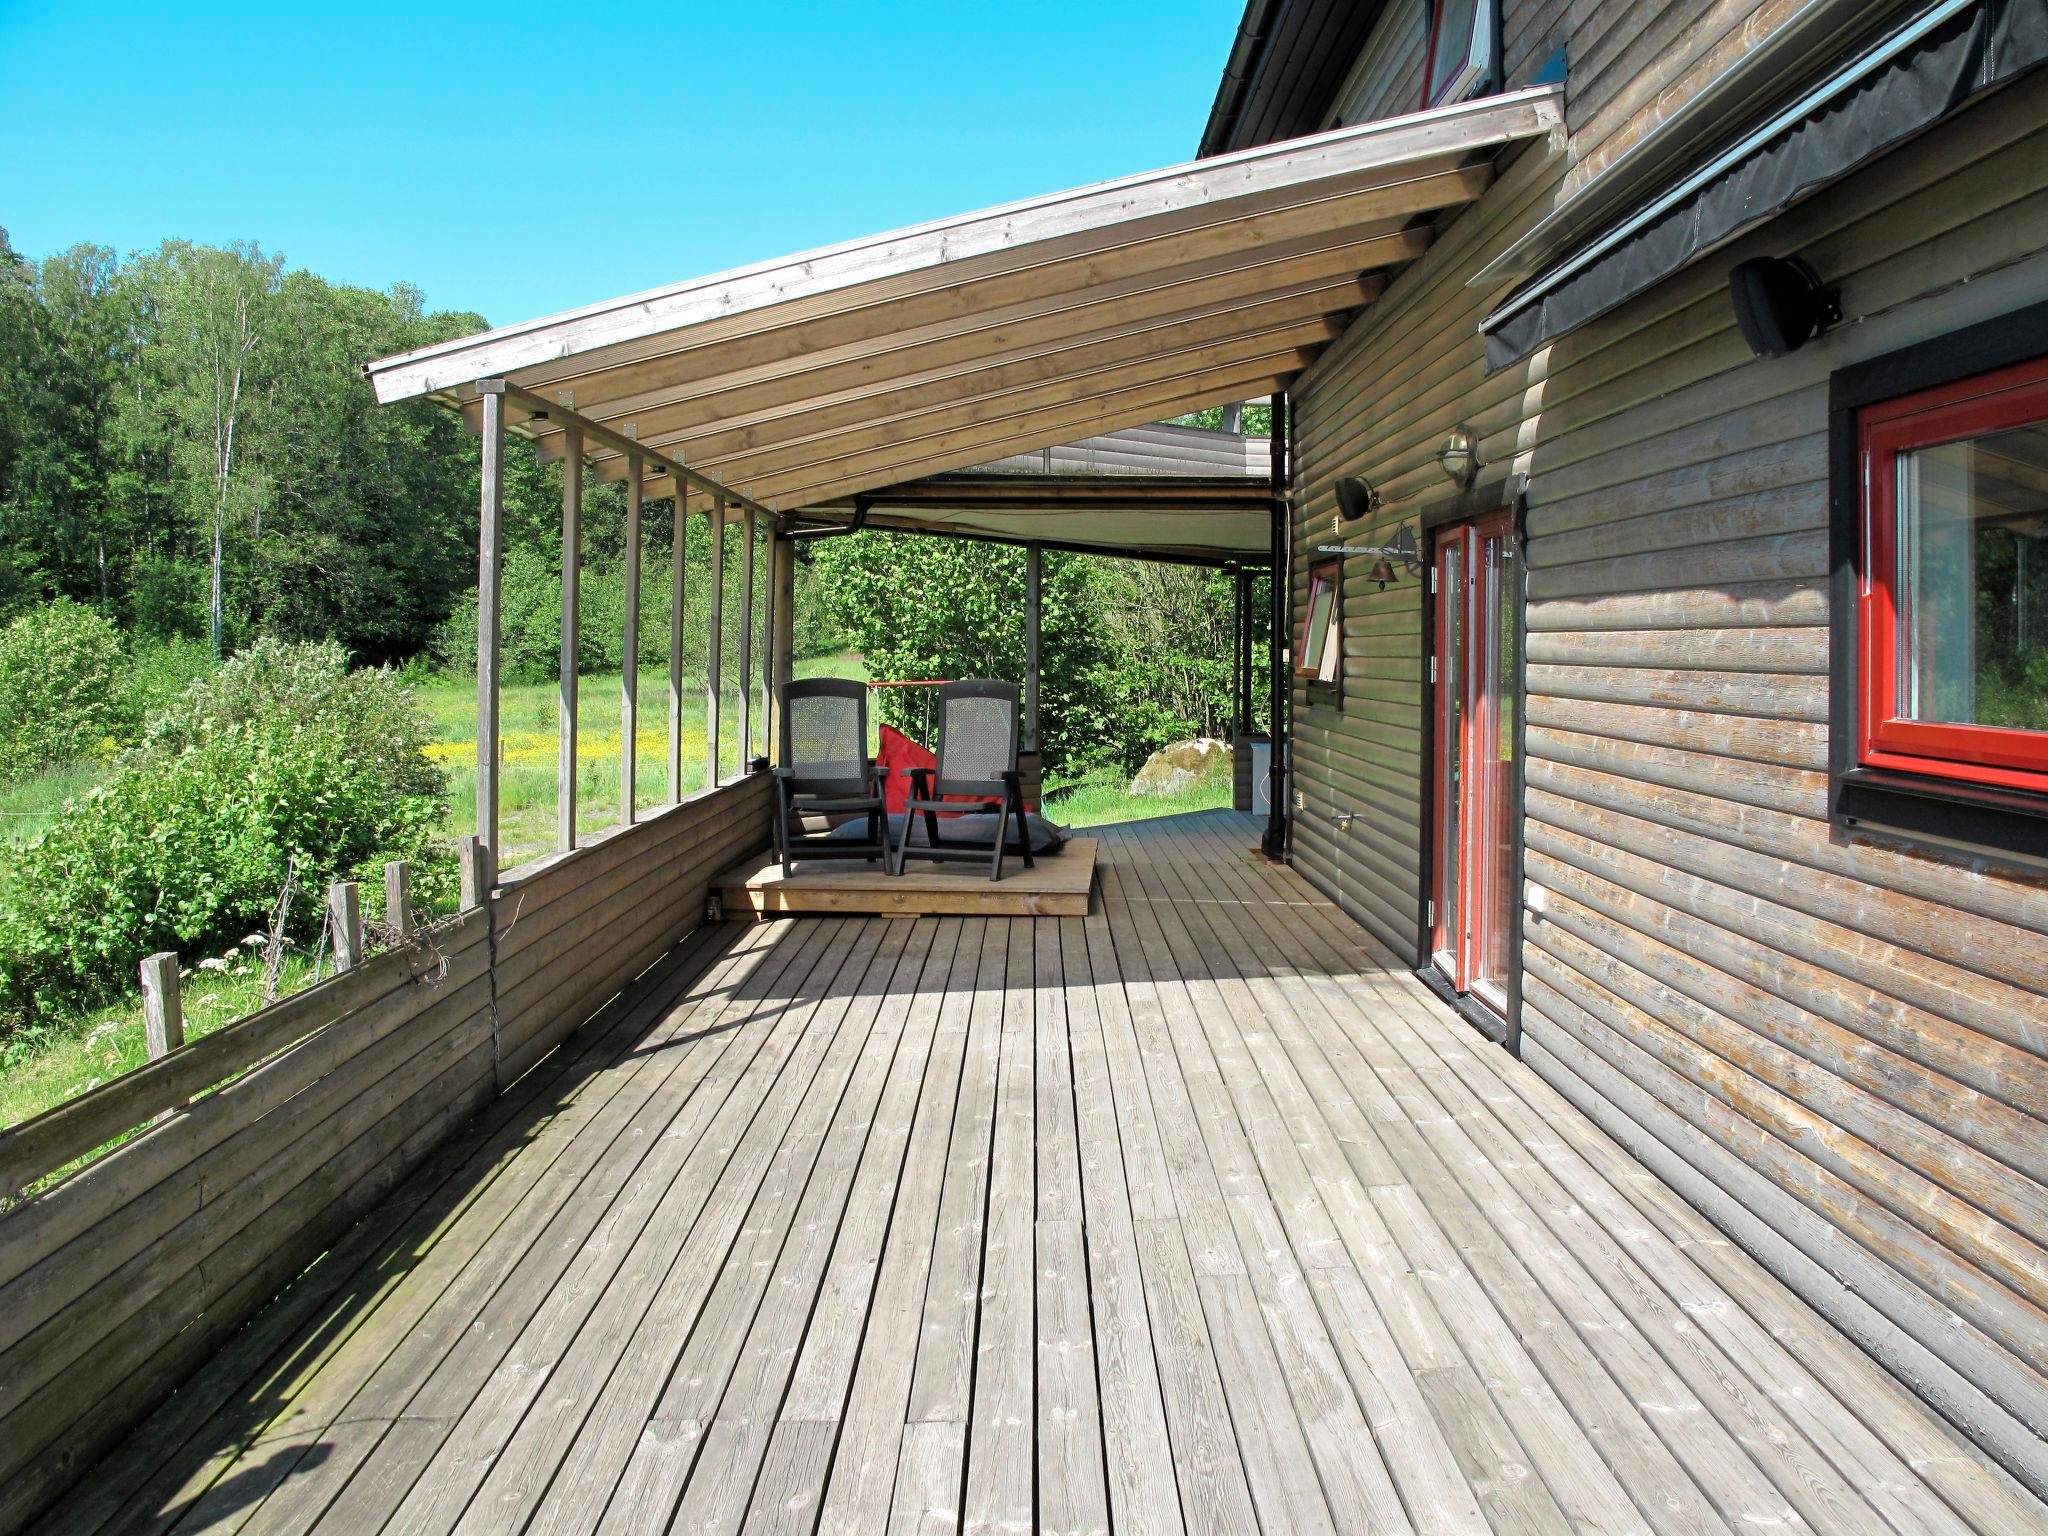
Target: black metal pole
[(1275, 841), (1237, 655)]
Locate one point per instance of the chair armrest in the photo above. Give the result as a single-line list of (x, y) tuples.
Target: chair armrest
[(918, 778), (783, 773)]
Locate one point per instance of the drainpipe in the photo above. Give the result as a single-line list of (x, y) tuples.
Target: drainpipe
[(1275, 841)]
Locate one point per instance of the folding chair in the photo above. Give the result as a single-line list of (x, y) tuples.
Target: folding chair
[(825, 769), (977, 759)]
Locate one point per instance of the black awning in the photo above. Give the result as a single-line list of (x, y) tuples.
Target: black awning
[(1909, 81)]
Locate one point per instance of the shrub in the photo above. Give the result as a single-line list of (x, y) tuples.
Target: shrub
[(157, 672), (281, 758), (58, 671)]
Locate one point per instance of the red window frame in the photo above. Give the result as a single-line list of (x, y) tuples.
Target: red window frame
[(1976, 754), (1328, 574), (1480, 18), (1471, 892)]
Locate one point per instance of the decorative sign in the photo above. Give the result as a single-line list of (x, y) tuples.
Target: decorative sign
[(1404, 550)]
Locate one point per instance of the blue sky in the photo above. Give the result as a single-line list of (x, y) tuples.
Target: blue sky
[(526, 165)]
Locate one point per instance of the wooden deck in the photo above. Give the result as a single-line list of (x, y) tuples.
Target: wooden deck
[(1186, 1215), (1057, 885)]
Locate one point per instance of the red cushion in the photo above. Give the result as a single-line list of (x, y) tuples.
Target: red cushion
[(899, 753)]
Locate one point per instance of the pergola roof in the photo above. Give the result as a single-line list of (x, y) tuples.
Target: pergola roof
[(1163, 491), (884, 360)]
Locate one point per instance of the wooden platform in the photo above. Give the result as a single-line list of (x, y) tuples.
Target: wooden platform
[(1197, 1214), (1056, 886)]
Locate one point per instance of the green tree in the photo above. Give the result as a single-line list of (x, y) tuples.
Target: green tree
[(923, 607)]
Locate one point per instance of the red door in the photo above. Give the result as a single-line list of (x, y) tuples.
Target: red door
[(1475, 734)]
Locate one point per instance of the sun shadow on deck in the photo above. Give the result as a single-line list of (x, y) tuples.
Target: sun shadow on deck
[(869, 1216)]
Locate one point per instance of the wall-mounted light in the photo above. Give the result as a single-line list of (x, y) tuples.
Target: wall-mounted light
[(1356, 499), (1459, 456), (1780, 304)]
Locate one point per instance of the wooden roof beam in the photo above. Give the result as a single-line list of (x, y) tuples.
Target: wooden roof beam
[(910, 427), (934, 256), (990, 440), (776, 336), (691, 429)]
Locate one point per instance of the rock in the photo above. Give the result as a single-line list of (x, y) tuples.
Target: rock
[(1178, 768)]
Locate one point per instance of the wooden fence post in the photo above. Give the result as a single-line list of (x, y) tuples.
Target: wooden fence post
[(629, 661), (489, 585), (398, 897), (345, 919), (679, 544), (715, 622), (163, 1011), (473, 857), (746, 656)]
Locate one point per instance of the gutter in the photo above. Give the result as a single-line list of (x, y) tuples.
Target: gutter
[(1247, 52)]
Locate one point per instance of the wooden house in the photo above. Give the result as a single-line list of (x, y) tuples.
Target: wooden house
[(1616, 1102)]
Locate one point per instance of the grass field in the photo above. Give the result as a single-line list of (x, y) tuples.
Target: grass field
[(219, 989)]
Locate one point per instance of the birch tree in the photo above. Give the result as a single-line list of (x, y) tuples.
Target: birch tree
[(211, 308)]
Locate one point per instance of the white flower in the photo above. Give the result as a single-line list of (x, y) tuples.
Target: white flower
[(257, 940), (214, 964)]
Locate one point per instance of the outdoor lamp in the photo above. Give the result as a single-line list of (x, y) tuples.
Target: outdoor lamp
[(1459, 456), (1356, 499)]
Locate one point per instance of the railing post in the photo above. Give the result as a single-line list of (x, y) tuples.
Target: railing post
[(489, 571), (473, 858), (782, 633), (716, 620), (1034, 580), (163, 1011), (398, 898), (572, 575), (746, 658), (629, 669), (679, 546), (345, 919)]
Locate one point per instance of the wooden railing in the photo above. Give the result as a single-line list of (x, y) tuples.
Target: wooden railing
[(262, 1142)]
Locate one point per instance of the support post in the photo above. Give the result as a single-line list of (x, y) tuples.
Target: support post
[(572, 610), (1242, 660), (679, 546), (746, 658), (1034, 582), (715, 619), (345, 922), (490, 565), (782, 641), (398, 897), (629, 660), (473, 859), (1274, 843), (771, 598), (163, 1011)]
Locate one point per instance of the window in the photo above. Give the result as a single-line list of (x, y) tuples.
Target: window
[(1459, 60), (1321, 643), (1953, 600), (1938, 490)]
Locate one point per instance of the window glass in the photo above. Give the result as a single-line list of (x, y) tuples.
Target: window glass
[(1454, 26), (1971, 581)]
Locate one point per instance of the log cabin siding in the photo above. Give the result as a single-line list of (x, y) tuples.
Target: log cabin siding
[(1387, 79), (1837, 1046)]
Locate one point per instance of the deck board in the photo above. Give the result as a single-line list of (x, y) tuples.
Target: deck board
[(1196, 1213)]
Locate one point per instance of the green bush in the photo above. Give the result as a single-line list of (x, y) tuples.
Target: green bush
[(59, 667), (283, 758), (157, 672)]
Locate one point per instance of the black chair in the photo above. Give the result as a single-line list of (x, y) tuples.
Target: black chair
[(826, 769), (977, 758)]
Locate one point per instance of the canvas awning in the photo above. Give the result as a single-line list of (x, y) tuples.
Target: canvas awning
[(804, 381), (1948, 54)]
